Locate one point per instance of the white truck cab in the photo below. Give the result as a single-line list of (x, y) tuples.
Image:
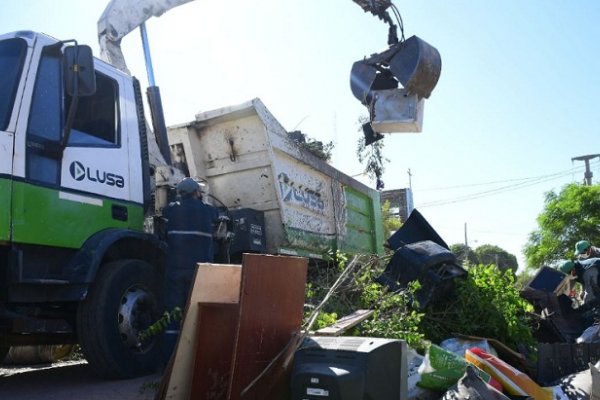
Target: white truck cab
[(73, 193)]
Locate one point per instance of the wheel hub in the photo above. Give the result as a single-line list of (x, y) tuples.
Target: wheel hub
[(137, 311)]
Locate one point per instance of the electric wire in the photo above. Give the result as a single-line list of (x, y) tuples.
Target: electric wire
[(529, 178), (491, 192), (500, 190)]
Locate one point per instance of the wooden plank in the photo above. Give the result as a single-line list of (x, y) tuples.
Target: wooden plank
[(345, 323), (214, 351), (217, 283), (213, 283), (271, 312)]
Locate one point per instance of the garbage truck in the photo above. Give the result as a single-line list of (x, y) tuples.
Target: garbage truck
[(81, 173)]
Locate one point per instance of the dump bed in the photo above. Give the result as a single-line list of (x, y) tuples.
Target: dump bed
[(250, 162)]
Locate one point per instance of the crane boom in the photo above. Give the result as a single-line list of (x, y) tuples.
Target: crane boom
[(120, 18)]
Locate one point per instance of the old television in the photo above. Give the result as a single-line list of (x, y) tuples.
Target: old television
[(350, 368)]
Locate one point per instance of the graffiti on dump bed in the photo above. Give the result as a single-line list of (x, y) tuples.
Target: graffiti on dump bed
[(303, 196)]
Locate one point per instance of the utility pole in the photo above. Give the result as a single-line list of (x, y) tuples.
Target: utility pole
[(587, 177), (466, 259)]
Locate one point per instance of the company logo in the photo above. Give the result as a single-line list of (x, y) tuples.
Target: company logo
[(77, 170), (304, 197), (80, 172)]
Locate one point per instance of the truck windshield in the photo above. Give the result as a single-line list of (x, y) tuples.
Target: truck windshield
[(12, 56)]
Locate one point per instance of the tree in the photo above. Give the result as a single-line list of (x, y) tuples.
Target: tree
[(372, 156), (391, 221), (464, 254), (490, 254), (567, 217)]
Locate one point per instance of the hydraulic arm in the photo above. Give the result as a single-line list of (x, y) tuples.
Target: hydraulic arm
[(120, 18)]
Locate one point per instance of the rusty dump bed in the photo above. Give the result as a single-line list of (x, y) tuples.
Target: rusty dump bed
[(249, 162)]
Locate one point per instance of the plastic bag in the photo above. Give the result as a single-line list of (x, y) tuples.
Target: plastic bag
[(414, 361), (577, 386), (472, 387), (515, 382), (590, 335), (459, 346), (441, 369), (595, 372)]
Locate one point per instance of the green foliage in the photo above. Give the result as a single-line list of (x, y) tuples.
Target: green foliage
[(567, 217), (523, 278), (320, 279), (316, 147), (391, 222), (372, 157), (489, 254), (393, 317), (325, 319), (486, 304)]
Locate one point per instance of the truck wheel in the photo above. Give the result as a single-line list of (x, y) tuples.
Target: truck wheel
[(121, 302), (3, 352)]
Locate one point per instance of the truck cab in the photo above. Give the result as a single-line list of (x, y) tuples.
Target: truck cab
[(74, 187)]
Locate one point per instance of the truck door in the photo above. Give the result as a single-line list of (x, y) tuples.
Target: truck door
[(71, 194), (12, 59)]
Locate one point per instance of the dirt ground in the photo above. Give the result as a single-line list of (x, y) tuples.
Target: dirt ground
[(71, 380)]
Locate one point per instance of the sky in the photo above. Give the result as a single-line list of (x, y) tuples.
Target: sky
[(517, 98)]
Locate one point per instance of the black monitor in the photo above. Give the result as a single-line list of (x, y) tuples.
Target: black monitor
[(350, 368)]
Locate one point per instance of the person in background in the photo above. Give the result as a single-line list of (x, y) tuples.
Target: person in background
[(189, 228), (585, 272), (584, 250)]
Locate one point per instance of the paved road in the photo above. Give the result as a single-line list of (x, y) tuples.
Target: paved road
[(71, 381)]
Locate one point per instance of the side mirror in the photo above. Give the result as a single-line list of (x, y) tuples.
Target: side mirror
[(80, 77)]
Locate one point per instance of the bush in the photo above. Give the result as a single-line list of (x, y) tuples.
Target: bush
[(392, 318), (487, 304)]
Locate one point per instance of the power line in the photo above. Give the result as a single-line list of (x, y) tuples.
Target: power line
[(572, 170), (503, 189)]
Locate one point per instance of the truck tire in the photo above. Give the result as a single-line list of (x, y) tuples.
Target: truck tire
[(3, 352), (123, 301)]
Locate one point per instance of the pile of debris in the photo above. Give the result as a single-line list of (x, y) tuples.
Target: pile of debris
[(242, 337), (566, 363)]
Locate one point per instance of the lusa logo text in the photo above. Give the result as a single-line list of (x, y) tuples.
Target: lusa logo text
[(80, 172)]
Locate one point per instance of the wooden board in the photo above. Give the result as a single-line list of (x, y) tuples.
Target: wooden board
[(214, 351), (217, 283), (345, 323), (213, 283), (271, 312), (249, 315)]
